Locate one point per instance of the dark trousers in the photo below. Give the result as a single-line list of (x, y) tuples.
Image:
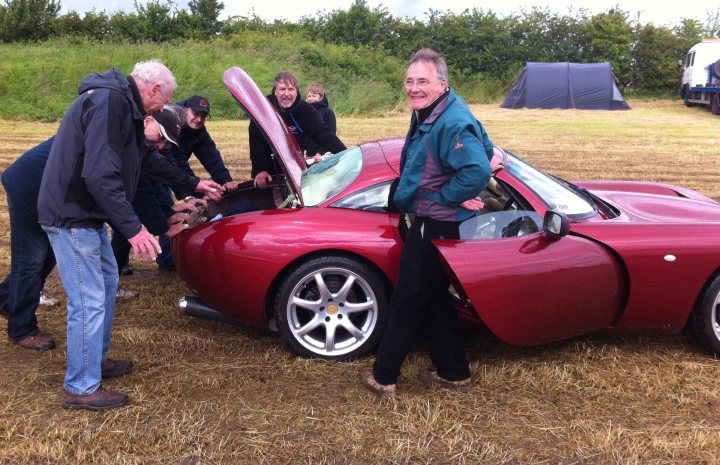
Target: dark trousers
[(422, 297), (32, 260), (153, 206)]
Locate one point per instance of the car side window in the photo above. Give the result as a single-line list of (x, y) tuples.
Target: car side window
[(503, 216)]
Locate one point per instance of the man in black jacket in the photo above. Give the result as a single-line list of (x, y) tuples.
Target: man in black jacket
[(91, 176), (195, 139), (301, 119)]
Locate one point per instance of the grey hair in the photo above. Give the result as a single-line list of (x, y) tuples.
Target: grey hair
[(288, 78), (153, 71), (429, 55)]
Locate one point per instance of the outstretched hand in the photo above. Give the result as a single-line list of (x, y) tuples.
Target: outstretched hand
[(211, 189), (144, 245)]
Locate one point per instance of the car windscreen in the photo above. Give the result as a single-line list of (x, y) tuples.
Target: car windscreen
[(556, 196), (327, 178)]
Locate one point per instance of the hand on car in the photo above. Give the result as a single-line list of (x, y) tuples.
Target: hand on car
[(211, 189), (178, 223), (144, 245), (262, 179), (473, 204), (231, 185), (190, 205), (496, 163)]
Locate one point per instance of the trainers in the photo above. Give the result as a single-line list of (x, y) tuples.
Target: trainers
[(430, 376), (114, 368), (127, 270), (37, 341), (369, 381), (48, 300), (101, 399), (123, 294)]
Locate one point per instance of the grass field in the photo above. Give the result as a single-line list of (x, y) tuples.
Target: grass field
[(210, 393)]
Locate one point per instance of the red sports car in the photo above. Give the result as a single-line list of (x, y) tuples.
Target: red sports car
[(315, 256)]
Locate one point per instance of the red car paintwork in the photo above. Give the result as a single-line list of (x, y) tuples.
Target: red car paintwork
[(641, 270)]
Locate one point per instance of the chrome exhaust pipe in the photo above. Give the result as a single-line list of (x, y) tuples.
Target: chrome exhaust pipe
[(193, 306)]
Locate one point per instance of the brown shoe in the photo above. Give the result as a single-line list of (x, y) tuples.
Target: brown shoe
[(114, 368), (101, 399), (430, 376), (369, 381), (37, 341)]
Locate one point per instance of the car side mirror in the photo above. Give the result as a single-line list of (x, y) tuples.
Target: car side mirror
[(555, 224)]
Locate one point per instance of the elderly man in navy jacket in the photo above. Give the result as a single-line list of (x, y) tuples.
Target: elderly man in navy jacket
[(92, 174)]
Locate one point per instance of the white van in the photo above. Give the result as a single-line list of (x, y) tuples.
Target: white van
[(697, 60)]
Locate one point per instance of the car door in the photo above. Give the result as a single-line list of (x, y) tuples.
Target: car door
[(529, 288)]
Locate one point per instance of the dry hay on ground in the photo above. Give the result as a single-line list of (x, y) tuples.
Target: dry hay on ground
[(210, 393)]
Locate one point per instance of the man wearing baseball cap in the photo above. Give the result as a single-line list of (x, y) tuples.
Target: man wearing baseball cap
[(195, 139)]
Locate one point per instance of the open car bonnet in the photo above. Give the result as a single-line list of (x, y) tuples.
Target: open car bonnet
[(271, 124)]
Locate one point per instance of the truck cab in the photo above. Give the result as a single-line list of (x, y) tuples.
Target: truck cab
[(697, 61)]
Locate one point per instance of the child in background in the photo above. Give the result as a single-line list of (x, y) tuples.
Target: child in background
[(317, 98)]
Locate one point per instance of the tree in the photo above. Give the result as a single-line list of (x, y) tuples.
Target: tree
[(156, 20), (359, 25), (656, 55), (610, 38), (202, 22), (473, 42), (22, 20)]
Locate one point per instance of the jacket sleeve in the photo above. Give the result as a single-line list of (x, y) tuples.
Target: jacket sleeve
[(464, 148), (330, 121), (107, 123), (157, 168), (313, 124), (206, 151), (260, 152)]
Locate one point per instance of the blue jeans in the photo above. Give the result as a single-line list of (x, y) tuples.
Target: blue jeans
[(31, 262), (89, 274)]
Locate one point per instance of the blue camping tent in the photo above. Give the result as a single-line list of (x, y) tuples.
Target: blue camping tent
[(585, 86)]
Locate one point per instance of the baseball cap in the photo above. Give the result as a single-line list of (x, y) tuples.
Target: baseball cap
[(169, 124), (198, 103)]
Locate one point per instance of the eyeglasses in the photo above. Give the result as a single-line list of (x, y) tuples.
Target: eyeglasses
[(421, 83)]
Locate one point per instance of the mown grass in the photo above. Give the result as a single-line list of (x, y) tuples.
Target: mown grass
[(210, 393)]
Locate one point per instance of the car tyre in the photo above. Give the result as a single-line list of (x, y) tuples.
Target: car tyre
[(332, 308), (705, 319)]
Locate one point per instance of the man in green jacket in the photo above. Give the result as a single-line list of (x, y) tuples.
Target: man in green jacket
[(445, 164)]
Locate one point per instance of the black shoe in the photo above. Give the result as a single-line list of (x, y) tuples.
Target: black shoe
[(101, 399), (127, 270), (114, 368)]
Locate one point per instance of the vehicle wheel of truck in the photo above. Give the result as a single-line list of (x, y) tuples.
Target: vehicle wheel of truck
[(715, 105), (683, 91), (688, 94)]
